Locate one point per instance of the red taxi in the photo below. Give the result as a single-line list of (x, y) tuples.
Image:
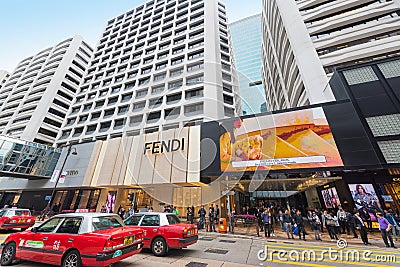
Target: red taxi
[(163, 231), (16, 218), (75, 239)]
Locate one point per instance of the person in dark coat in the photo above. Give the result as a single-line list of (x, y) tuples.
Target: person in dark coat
[(361, 227), (351, 223), (298, 219)]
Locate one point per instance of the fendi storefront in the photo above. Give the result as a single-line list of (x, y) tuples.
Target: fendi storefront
[(153, 170)]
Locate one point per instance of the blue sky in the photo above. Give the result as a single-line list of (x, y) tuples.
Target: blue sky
[(29, 26)]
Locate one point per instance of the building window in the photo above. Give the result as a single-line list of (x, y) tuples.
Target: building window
[(139, 106), (105, 126), (195, 109), (157, 89), (159, 77), (95, 116), (153, 116), (194, 80), (195, 67), (135, 120), (175, 85), (176, 72), (123, 110), (172, 113), (171, 99), (109, 113), (126, 97), (196, 93), (141, 93)]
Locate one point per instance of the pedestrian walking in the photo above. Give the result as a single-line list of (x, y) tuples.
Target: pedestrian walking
[(260, 213), (315, 224), (361, 227), (351, 223), (330, 224), (288, 221), (267, 223), (319, 214), (299, 222), (280, 216), (190, 215), (385, 228), (391, 219), (364, 214), (341, 214), (202, 217), (211, 216)]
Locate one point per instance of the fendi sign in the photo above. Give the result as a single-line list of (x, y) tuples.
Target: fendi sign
[(159, 147)]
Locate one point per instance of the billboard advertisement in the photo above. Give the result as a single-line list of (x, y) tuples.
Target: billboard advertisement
[(290, 140), (331, 198), (364, 196)]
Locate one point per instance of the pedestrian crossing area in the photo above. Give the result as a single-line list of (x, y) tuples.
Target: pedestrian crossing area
[(278, 253)]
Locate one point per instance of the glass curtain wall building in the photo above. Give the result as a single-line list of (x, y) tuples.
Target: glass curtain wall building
[(19, 158), (247, 47)]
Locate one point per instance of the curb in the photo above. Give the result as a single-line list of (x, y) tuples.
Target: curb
[(289, 241)]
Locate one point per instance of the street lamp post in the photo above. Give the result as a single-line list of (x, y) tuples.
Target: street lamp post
[(58, 177)]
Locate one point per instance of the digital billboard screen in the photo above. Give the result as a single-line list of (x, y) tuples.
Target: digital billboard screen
[(331, 198), (290, 140), (364, 196)]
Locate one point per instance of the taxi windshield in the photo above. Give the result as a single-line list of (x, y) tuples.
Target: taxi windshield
[(2, 212), (106, 222)]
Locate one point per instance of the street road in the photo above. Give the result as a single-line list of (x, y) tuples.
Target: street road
[(213, 251)]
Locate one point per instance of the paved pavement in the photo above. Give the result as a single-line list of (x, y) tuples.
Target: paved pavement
[(234, 251)]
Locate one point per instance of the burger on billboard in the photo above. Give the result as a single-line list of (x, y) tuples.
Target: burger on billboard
[(290, 140)]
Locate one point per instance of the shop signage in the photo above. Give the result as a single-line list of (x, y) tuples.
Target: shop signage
[(387, 198), (72, 172), (160, 147), (63, 175)]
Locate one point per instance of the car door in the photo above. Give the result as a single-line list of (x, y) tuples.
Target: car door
[(150, 225), (62, 239), (35, 241)]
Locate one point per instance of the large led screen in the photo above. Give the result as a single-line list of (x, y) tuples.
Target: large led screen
[(290, 140)]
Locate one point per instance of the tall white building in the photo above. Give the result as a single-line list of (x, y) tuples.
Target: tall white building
[(305, 40), (3, 77), (39, 92), (161, 65)]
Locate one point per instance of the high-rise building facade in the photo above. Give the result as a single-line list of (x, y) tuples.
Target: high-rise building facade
[(161, 65), (3, 77), (305, 40), (247, 46), (38, 94)]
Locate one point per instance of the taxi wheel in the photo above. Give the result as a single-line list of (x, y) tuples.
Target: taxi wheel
[(8, 254), (72, 259), (159, 247)]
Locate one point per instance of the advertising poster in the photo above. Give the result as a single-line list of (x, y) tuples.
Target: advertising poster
[(364, 196), (291, 140), (110, 203), (331, 198)]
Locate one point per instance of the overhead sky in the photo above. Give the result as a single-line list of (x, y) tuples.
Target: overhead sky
[(29, 26)]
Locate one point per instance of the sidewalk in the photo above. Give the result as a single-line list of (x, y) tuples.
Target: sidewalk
[(250, 233)]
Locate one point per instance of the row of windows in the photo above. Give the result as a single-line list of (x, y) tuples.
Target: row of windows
[(137, 106), (156, 15), (156, 77), (152, 117), (155, 89), (146, 61), (153, 36)]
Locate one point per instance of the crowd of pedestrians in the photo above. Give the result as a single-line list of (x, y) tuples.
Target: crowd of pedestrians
[(335, 222)]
